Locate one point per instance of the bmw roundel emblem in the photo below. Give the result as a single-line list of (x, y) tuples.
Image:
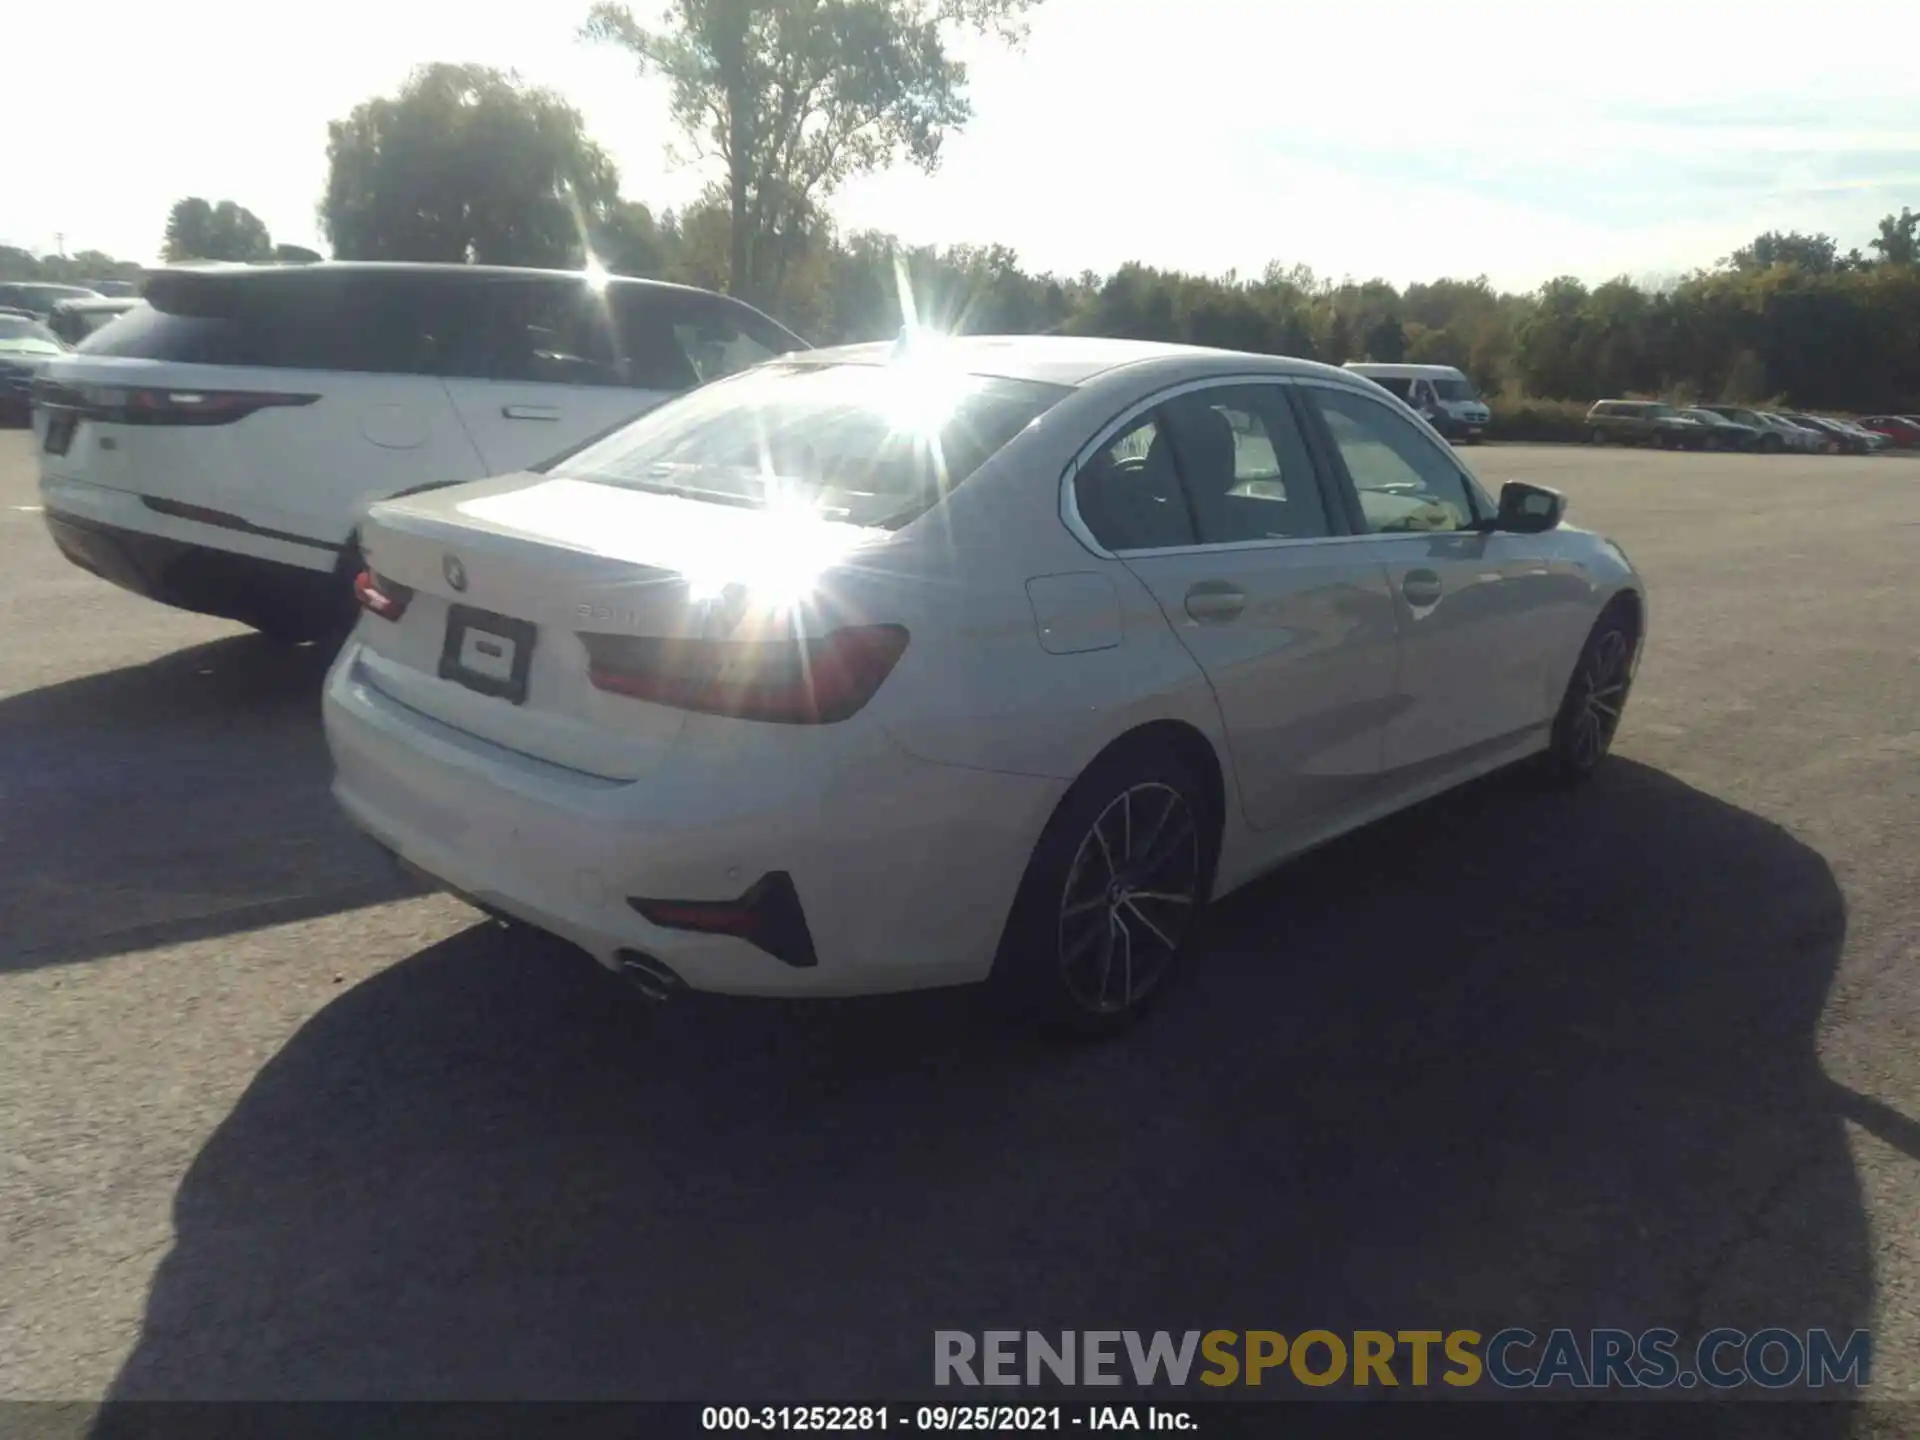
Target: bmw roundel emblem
[(455, 572)]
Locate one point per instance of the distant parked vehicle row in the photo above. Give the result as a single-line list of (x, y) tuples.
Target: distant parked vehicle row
[(1734, 427), (25, 347), (37, 297), (1900, 430), (74, 320)]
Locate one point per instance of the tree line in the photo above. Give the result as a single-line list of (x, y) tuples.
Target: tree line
[(786, 99)]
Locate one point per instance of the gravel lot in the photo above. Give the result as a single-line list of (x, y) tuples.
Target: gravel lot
[(1642, 1055)]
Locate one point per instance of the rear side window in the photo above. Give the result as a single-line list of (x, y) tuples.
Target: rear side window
[(544, 332), (1394, 385), (1128, 494), (1243, 466), (674, 340)]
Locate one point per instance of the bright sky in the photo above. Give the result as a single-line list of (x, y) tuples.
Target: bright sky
[(1450, 137)]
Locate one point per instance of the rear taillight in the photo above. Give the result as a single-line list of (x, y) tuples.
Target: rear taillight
[(784, 682), (380, 596), (163, 405)]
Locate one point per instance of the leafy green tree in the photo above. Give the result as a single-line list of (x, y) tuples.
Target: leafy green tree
[(1816, 254), (1899, 239), (465, 164), (197, 230), (1386, 340), (793, 97)]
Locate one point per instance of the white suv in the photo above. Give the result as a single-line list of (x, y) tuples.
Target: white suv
[(214, 448)]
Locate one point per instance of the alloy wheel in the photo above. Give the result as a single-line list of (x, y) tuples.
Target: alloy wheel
[(1602, 697), (1131, 895)]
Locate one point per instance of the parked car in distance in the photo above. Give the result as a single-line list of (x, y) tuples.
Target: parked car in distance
[(74, 320), (38, 297), (1769, 436), (213, 447), (1901, 430), (1804, 439), (1643, 422), (696, 696), (116, 289), (1873, 439), (1442, 395), (1724, 433), (1839, 441), (25, 347)]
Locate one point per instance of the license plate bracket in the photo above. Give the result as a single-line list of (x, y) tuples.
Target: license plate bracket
[(61, 425), (489, 653)]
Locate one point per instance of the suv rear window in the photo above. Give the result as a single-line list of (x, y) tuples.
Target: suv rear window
[(532, 329), (869, 444)]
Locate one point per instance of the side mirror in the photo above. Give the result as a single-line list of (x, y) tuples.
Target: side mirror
[(1529, 509)]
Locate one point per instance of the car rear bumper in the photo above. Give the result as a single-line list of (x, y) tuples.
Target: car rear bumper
[(196, 577), (903, 870)]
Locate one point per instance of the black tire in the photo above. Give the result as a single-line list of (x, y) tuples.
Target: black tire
[(1595, 699), (1771, 444), (1108, 912)]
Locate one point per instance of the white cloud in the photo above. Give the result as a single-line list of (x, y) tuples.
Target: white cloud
[(1394, 138)]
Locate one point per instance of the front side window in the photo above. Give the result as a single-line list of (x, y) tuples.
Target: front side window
[(1405, 483), (867, 444)]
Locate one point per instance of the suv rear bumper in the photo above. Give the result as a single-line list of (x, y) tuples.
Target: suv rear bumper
[(263, 593)]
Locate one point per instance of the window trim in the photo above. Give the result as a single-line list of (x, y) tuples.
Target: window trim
[(1331, 502), (1477, 500)]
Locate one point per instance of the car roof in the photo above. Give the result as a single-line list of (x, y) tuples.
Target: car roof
[(98, 302), (323, 268), (1397, 371), (1071, 359)]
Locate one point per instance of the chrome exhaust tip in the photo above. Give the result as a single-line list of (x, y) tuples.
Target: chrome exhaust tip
[(655, 981)]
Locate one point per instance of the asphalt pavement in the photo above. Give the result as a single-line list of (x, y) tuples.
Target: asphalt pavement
[(1643, 1054)]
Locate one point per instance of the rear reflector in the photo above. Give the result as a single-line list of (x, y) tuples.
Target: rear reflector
[(783, 682), (380, 596), (767, 917)]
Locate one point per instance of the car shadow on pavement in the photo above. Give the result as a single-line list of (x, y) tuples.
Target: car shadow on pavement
[(173, 801), (1516, 1058)]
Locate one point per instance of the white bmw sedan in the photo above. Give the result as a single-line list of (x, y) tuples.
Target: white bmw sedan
[(887, 667)]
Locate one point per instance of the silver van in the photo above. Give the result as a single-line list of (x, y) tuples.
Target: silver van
[(1442, 394)]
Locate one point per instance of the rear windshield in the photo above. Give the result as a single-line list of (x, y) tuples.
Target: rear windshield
[(41, 297), (867, 444), (20, 336)]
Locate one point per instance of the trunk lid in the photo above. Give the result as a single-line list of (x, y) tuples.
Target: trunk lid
[(534, 563)]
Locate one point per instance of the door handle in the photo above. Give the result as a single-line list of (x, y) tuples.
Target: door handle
[(1421, 587), (1213, 601), (531, 412)]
